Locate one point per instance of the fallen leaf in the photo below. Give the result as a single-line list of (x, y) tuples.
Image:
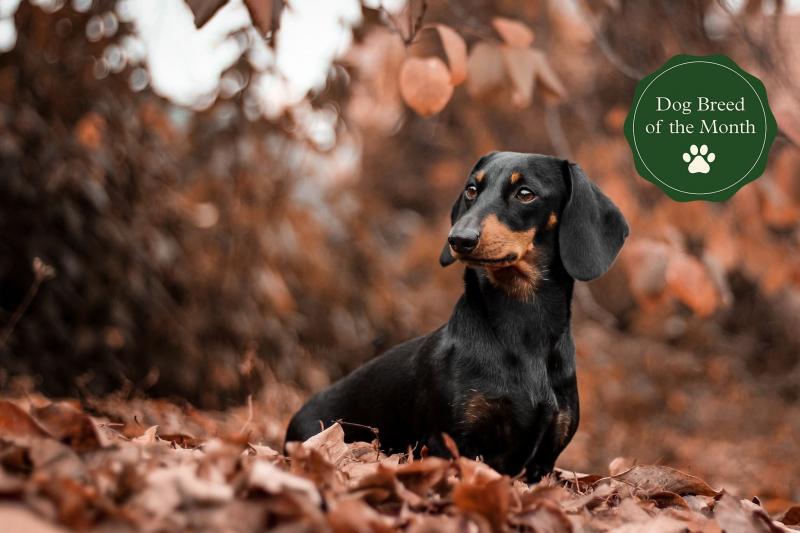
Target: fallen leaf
[(490, 500), (451, 445), (545, 516), (421, 476), (734, 518), (330, 443), (16, 423), (273, 480), (792, 516), (651, 479), (666, 498), (70, 426), (149, 436), (620, 464)]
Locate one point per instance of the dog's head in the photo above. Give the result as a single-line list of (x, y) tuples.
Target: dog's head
[(514, 202)]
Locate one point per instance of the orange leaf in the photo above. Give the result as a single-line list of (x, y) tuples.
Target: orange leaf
[(513, 32), (16, 423), (456, 51), (521, 65), (652, 479), (690, 282), (548, 79), (486, 71), (425, 85)]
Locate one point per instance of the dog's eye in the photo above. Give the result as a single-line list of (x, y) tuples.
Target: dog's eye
[(525, 195), (471, 192)]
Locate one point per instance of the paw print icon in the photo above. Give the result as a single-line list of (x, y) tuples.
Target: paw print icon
[(699, 159)]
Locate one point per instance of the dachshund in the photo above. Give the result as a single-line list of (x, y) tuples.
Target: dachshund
[(499, 376)]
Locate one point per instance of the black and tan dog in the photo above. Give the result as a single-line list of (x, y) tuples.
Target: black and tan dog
[(499, 376)]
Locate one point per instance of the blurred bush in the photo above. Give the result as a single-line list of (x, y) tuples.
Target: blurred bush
[(193, 249)]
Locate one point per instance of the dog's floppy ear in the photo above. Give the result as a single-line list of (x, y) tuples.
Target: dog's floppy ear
[(592, 228), (446, 257)]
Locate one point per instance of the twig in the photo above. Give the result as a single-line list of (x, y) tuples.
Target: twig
[(605, 47), (41, 273), (552, 122), (413, 25), (362, 426), (249, 413)]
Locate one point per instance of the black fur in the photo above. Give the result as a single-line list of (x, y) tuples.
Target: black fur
[(499, 376)]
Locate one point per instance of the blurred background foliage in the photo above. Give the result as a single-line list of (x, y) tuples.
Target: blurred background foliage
[(247, 242)]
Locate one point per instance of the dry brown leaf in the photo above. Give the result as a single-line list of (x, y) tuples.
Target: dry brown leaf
[(451, 445), (689, 281), (421, 476), (456, 51), (733, 517), (16, 517), (69, 425), (261, 13), (792, 516), (476, 471), (486, 71), (353, 515), (273, 480), (651, 479), (645, 262), (545, 516), (150, 436), (513, 32), (490, 500), (666, 498), (521, 66), (425, 85), (620, 464), (330, 443), (203, 10), (16, 423), (259, 450), (548, 80)]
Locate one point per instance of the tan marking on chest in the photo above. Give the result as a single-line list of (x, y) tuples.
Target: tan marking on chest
[(479, 409)]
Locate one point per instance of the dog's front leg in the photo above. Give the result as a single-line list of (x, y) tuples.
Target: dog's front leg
[(557, 435)]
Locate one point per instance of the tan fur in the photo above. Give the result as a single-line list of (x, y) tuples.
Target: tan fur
[(515, 176), (563, 421), (480, 175), (552, 222), (477, 409), (498, 240), (519, 276)]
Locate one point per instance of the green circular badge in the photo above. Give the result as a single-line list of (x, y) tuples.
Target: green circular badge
[(700, 128)]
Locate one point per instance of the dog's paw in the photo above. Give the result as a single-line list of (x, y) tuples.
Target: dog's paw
[(534, 474)]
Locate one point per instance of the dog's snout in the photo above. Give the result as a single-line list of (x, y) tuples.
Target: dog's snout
[(463, 242)]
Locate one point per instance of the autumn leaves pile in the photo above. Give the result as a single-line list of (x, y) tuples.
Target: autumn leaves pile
[(62, 467)]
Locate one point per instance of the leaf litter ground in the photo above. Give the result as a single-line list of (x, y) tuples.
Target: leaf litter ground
[(64, 468)]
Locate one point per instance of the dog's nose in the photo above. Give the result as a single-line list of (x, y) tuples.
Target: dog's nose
[(464, 241)]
